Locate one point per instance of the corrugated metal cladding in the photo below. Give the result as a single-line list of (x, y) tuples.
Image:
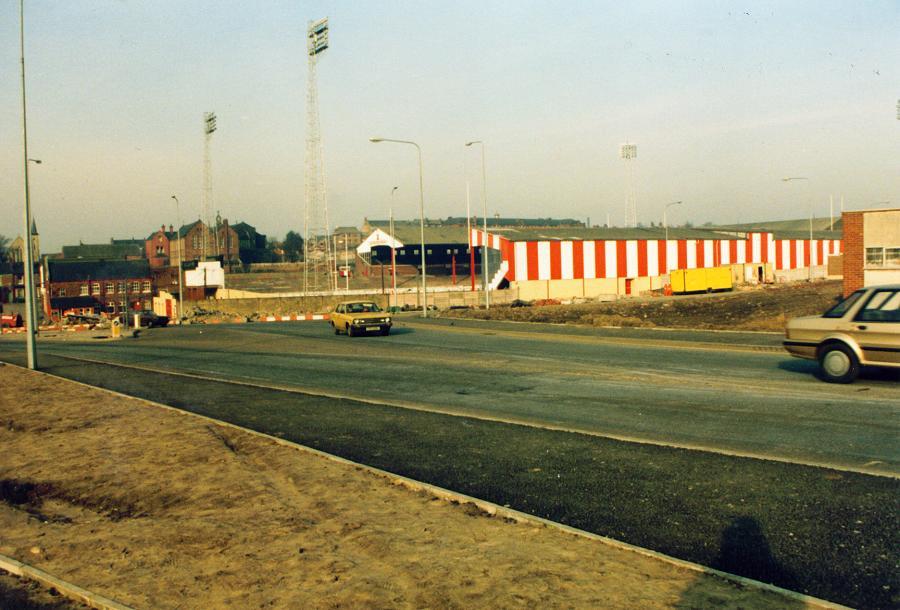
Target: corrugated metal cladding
[(632, 258)]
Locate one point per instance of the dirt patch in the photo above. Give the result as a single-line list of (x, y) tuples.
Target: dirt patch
[(765, 308), (172, 511)]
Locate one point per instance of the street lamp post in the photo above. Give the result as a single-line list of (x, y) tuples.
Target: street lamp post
[(421, 215), (28, 258), (180, 263), (484, 249), (393, 248), (665, 218), (809, 204)]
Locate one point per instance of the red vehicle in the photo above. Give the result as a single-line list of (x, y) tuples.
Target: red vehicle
[(10, 320)]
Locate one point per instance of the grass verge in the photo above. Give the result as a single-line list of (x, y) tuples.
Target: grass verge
[(821, 532)]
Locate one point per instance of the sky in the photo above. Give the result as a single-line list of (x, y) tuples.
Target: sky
[(722, 99)]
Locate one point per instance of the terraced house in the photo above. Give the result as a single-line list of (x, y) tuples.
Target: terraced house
[(93, 287)]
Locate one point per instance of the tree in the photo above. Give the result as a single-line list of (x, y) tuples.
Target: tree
[(4, 252), (293, 246)]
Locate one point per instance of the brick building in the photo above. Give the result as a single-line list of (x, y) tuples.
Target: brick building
[(871, 248), (166, 248), (97, 286)]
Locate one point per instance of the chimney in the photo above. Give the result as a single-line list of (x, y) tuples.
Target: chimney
[(162, 228)]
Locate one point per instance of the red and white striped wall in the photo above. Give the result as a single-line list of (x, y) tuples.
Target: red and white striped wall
[(632, 258)]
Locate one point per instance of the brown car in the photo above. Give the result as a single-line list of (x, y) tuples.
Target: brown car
[(863, 329)]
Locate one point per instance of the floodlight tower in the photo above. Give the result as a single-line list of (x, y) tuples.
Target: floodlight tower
[(209, 126), (316, 215), (628, 152)]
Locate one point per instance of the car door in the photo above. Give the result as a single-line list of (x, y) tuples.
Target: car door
[(876, 327)]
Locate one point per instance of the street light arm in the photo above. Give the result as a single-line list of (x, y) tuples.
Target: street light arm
[(379, 140)]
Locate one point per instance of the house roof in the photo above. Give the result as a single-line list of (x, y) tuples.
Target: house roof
[(73, 271), (346, 231), (103, 251)]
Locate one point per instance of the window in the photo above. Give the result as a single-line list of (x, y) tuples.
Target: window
[(883, 306), (146, 286), (402, 252), (415, 251), (449, 251), (110, 287), (84, 290), (61, 292), (892, 257), (841, 308), (428, 251), (195, 241), (160, 250), (95, 288), (122, 287), (135, 286), (874, 257)]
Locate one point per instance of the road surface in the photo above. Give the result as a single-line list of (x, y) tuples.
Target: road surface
[(725, 392)]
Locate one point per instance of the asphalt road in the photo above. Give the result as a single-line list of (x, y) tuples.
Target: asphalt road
[(724, 392)]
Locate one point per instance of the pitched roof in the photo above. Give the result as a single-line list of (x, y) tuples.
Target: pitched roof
[(73, 271), (103, 251), (346, 231)]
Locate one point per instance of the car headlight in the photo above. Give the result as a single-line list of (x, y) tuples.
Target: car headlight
[(356, 321), (388, 320)]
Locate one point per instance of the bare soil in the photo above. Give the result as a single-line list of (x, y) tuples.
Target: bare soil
[(159, 509), (763, 308)]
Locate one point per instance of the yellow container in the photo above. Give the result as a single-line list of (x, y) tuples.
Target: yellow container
[(701, 280)]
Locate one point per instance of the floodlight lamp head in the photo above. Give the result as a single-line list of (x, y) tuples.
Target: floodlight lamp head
[(376, 140)]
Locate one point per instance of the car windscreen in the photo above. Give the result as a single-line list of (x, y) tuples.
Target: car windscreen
[(363, 308), (841, 308)]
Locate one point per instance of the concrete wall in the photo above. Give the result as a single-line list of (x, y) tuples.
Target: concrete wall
[(280, 306)]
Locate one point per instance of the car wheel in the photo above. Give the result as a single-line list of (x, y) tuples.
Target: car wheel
[(838, 363), (349, 331), (337, 331)]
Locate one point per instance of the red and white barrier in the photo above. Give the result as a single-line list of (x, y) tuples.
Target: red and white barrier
[(296, 317)]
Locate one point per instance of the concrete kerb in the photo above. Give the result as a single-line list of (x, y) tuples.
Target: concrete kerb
[(508, 420), (488, 507), (67, 589)]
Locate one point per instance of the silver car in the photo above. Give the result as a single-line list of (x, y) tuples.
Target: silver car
[(863, 329)]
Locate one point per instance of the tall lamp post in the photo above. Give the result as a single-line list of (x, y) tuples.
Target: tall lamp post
[(28, 258), (665, 218), (180, 263), (810, 209), (393, 248), (421, 215), (484, 250)]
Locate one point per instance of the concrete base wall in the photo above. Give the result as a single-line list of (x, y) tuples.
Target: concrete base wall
[(819, 272), (282, 306)]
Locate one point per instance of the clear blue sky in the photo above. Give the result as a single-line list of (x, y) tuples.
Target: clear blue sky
[(722, 98)]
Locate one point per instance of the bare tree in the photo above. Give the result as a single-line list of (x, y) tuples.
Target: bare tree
[(4, 249)]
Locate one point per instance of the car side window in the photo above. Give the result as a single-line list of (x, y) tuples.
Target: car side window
[(841, 309), (340, 309), (882, 306)]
